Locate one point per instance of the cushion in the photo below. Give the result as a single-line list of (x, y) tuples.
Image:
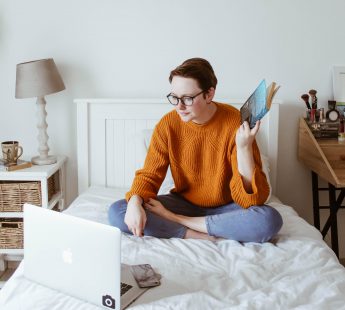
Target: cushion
[(145, 137), (266, 169), (168, 182)]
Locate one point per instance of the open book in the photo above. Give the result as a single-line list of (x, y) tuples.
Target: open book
[(259, 103)]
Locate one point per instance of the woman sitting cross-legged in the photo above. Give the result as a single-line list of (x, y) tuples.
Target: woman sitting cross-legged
[(220, 188)]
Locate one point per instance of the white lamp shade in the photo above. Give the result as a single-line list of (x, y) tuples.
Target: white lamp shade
[(38, 78)]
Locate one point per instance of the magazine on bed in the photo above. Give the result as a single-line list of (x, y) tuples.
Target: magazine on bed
[(259, 103)]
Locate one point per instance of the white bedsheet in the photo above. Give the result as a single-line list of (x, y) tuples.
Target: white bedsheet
[(298, 272)]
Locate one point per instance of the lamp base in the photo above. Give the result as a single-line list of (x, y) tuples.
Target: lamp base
[(37, 160)]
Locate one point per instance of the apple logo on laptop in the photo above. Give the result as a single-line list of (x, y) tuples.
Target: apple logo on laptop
[(67, 256)]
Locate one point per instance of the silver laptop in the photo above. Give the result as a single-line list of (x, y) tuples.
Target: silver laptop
[(77, 257)]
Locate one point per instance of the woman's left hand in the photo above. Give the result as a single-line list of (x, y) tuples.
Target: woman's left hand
[(156, 207), (245, 136)]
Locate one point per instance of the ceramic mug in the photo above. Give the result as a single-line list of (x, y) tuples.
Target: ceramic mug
[(11, 151)]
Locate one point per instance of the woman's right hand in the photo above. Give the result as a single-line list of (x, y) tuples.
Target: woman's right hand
[(135, 217)]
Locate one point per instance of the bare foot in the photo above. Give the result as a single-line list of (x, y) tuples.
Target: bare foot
[(196, 225), (192, 234), (156, 207)]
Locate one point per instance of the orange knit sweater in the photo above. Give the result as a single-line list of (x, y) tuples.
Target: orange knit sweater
[(203, 162)]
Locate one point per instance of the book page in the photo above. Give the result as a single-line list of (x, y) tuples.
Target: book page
[(259, 103), (255, 106)]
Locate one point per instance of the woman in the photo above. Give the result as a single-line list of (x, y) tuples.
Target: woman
[(220, 188)]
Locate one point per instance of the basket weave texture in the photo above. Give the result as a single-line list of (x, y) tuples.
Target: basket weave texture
[(13, 194), (11, 233)]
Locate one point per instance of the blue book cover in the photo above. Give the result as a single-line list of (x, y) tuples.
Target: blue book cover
[(258, 104)]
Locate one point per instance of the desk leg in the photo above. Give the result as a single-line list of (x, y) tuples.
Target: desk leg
[(333, 217), (316, 204)]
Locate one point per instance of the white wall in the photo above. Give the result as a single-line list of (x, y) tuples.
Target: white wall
[(127, 49)]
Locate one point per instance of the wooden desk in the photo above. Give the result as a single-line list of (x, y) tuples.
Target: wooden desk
[(326, 159)]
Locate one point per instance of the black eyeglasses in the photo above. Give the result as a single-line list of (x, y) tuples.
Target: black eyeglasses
[(186, 100)]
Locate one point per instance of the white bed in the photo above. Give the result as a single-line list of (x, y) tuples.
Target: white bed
[(297, 271)]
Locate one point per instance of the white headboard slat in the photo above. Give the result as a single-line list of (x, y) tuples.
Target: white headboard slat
[(108, 144)]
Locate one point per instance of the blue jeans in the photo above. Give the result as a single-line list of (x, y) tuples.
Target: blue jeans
[(231, 221)]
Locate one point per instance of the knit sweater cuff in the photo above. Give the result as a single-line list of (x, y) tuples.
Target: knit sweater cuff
[(144, 195), (260, 189)]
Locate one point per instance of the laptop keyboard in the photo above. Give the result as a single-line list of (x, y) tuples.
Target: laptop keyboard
[(125, 288)]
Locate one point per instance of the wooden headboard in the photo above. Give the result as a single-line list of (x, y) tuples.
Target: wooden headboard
[(108, 144)]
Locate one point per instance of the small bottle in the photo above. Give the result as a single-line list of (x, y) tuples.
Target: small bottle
[(322, 118), (341, 133), (341, 137), (341, 125)]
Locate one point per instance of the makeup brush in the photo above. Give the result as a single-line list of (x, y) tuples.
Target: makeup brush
[(312, 94), (305, 98)]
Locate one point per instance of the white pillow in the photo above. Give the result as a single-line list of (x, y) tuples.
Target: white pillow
[(168, 182), (266, 169)]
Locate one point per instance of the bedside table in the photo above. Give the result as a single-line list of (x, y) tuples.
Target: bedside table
[(326, 159), (39, 185)]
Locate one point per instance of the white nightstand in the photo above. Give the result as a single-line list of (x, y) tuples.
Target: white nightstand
[(48, 176)]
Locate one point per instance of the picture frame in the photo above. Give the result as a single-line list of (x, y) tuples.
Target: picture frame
[(339, 84)]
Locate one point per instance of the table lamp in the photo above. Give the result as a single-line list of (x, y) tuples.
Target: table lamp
[(36, 79)]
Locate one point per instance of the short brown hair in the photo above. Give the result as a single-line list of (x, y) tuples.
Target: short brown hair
[(199, 69)]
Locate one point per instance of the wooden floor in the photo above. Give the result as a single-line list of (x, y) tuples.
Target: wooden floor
[(4, 276)]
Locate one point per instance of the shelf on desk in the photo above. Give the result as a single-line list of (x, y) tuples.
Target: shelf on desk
[(326, 157)]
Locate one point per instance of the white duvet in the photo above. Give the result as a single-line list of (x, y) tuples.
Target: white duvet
[(299, 271)]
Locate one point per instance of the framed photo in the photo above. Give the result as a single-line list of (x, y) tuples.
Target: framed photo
[(339, 84)]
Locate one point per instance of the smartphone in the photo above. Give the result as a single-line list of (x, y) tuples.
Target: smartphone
[(145, 275)]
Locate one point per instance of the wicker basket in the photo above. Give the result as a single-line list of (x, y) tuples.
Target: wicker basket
[(14, 194), (53, 185), (11, 233)]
